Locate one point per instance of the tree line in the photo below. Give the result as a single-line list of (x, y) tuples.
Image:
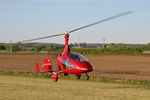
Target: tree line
[(119, 48), (20, 47)]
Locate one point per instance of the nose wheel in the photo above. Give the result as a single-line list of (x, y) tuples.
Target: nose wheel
[(55, 77)]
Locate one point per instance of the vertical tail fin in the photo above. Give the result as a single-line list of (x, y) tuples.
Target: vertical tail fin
[(37, 67)]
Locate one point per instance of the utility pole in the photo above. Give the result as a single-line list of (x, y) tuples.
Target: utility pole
[(104, 43), (79, 42), (10, 46)]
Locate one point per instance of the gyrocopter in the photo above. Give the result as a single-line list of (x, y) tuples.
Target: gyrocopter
[(70, 62)]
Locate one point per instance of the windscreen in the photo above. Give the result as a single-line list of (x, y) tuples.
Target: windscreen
[(77, 57), (67, 64)]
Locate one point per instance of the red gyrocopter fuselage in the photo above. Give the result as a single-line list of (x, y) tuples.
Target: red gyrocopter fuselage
[(72, 62), (68, 62)]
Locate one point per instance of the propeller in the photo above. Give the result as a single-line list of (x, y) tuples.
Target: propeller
[(101, 21)]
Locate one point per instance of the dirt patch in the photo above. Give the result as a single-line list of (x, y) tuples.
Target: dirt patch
[(118, 66), (122, 66)]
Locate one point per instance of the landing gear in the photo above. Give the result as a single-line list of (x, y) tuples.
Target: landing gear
[(65, 74), (78, 76), (55, 77), (87, 76)]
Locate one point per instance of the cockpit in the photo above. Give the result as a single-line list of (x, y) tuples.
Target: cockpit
[(74, 56), (77, 57)]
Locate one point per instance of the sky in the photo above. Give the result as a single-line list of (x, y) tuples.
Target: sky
[(26, 19)]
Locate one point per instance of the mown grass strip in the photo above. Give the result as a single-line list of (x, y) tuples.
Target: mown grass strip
[(92, 78)]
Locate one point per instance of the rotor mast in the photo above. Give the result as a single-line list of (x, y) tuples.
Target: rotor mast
[(66, 48)]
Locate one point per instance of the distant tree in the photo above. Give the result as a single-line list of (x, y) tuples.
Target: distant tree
[(71, 45), (47, 48), (76, 44), (2, 47), (83, 45), (55, 47), (37, 48), (12, 47)]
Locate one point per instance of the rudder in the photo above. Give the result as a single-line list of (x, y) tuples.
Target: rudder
[(37, 67)]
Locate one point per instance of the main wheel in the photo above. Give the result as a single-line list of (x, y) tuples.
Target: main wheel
[(78, 76), (87, 76)]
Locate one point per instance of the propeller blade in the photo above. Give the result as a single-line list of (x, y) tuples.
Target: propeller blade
[(101, 21), (42, 37)]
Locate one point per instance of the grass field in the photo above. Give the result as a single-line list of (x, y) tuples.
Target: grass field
[(25, 88)]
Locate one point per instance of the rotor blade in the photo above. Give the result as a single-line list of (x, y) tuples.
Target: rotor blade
[(106, 19), (42, 37)]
